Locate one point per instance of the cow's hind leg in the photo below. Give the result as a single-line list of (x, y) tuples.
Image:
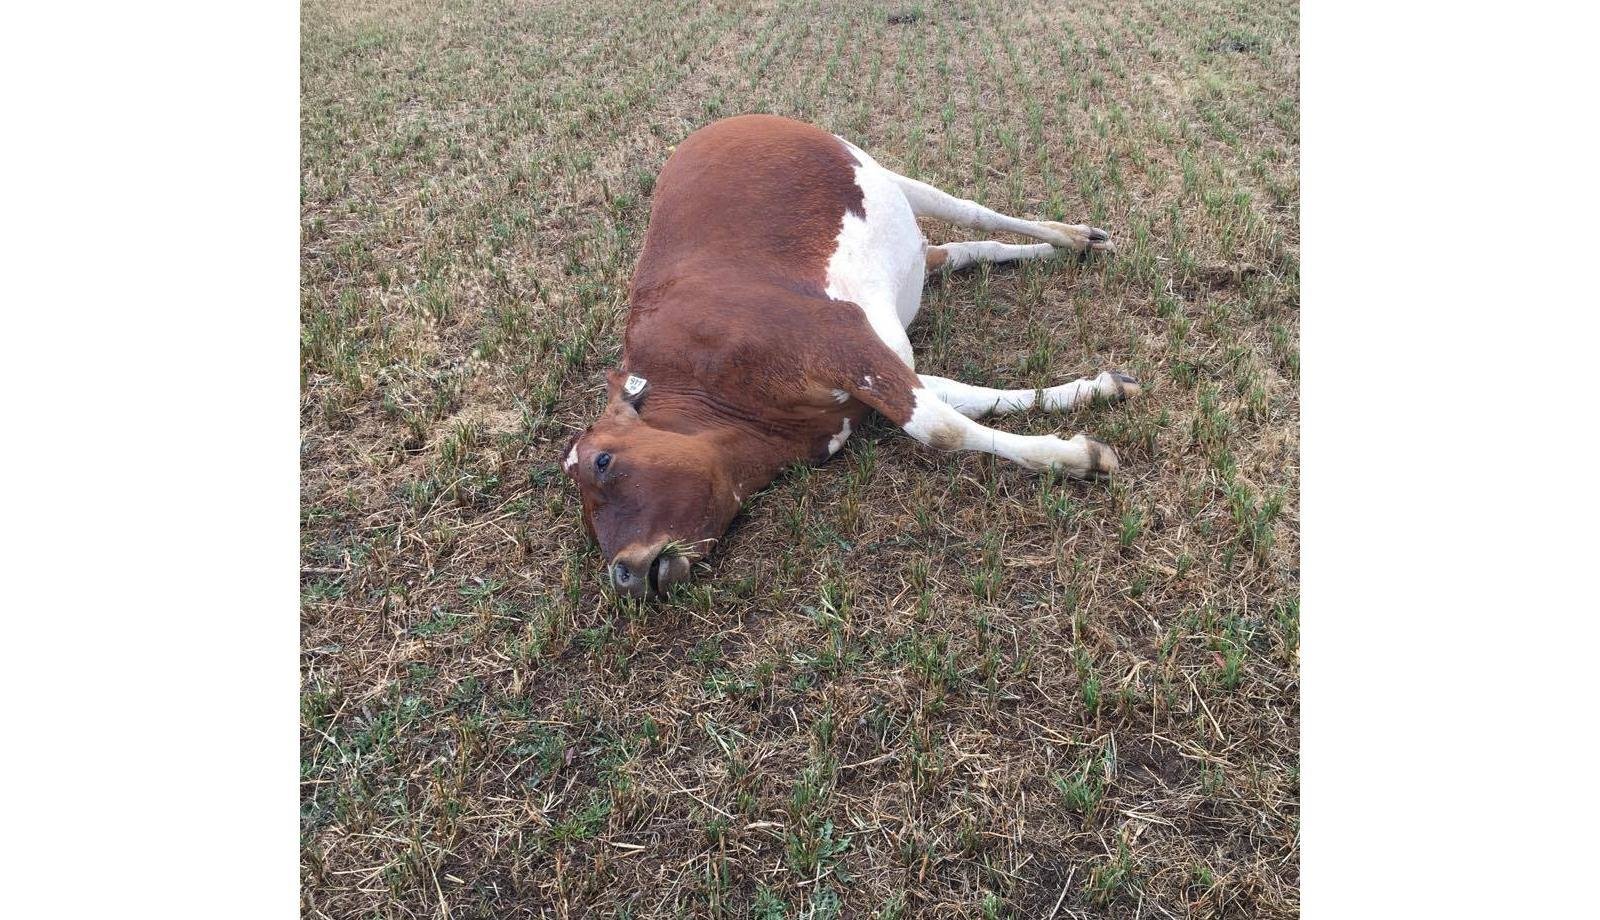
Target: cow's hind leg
[(976, 402), (927, 201)]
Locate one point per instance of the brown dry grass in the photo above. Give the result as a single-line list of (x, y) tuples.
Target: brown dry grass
[(910, 684)]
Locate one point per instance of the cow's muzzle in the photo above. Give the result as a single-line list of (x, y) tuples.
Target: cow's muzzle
[(642, 572)]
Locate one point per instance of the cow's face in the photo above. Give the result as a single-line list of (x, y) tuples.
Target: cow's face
[(654, 500)]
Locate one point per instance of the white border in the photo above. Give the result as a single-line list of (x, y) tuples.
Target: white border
[(1449, 204), (151, 529), (1449, 330)]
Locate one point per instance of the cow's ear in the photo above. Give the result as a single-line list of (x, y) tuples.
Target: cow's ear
[(620, 411), (622, 386)]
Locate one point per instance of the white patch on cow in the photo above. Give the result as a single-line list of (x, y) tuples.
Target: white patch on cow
[(877, 260), (572, 457), (837, 441), (935, 423), (841, 397)]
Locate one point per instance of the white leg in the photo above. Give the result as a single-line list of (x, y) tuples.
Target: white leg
[(956, 256), (873, 374), (976, 402), (936, 423), (927, 201)]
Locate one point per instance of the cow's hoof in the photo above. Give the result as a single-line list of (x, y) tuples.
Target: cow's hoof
[(1099, 459), (1116, 386), (1080, 237)]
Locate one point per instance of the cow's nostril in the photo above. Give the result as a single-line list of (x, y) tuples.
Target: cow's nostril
[(630, 579), (669, 571), (641, 575)]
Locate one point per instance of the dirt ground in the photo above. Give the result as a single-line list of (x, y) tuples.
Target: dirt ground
[(909, 684)]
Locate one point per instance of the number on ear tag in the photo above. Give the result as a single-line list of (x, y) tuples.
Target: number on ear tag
[(633, 387)]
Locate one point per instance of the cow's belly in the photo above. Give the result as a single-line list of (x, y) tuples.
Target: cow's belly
[(878, 260)]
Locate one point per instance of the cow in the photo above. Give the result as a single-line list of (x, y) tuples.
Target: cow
[(767, 316)]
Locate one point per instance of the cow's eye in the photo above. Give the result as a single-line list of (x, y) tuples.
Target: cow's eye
[(601, 461)]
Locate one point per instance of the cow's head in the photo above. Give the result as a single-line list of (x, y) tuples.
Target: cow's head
[(654, 500)]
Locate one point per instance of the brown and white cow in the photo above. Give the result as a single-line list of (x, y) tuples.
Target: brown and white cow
[(769, 309)]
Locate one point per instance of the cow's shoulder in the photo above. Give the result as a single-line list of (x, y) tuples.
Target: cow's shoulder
[(757, 344)]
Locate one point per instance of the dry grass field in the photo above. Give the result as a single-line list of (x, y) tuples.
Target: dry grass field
[(909, 684)]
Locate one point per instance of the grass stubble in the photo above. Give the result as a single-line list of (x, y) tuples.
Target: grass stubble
[(909, 684)]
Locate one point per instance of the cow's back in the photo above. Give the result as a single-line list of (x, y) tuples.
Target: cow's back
[(753, 198)]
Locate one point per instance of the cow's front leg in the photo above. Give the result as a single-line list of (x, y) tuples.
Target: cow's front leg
[(902, 398), (976, 402), (938, 424)]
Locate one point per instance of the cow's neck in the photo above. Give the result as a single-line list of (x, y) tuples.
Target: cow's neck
[(753, 451)]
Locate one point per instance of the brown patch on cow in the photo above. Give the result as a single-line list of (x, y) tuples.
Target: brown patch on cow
[(751, 196), (935, 257), (882, 380)]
